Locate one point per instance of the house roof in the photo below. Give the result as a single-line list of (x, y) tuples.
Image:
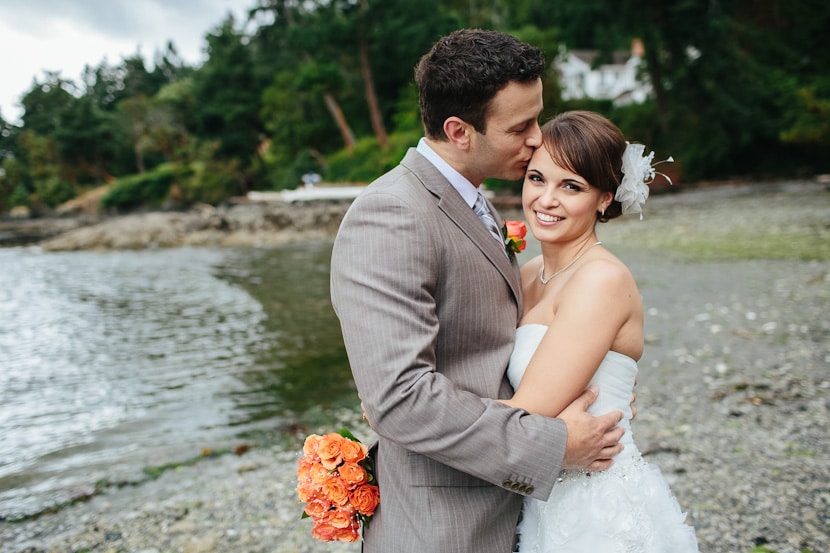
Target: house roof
[(589, 56)]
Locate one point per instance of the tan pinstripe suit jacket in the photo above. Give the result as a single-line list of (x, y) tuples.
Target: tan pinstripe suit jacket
[(428, 303)]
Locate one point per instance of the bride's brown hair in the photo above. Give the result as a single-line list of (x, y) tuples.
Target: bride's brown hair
[(588, 144)]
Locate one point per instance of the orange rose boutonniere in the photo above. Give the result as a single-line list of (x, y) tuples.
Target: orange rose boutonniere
[(336, 482), (514, 233)]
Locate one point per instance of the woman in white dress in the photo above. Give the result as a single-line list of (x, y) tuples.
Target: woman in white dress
[(583, 310)]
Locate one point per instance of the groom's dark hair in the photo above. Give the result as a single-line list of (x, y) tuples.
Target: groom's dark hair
[(464, 70)]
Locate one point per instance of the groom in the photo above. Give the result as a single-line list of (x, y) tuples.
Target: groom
[(428, 302)]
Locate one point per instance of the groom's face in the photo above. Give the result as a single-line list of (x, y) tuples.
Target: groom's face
[(511, 134)]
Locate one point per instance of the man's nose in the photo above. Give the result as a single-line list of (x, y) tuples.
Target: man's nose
[(534, 139)]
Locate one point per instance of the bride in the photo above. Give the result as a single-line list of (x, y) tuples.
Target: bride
[(582, 308)]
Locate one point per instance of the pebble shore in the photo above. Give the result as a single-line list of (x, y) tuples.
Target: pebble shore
[(733, 402)]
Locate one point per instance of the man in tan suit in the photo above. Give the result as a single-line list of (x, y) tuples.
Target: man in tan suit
[(429, 300)]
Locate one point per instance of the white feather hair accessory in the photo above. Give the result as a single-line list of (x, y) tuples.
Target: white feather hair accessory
[(638, 173)]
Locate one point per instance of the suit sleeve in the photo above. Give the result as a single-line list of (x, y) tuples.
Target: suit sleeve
[(384, 288)]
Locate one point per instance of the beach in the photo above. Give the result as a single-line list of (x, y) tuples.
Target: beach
[(733, 397)]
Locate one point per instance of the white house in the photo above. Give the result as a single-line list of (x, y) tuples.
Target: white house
[(618, 81)]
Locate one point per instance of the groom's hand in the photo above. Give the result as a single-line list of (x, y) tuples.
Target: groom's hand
[(592, 441)]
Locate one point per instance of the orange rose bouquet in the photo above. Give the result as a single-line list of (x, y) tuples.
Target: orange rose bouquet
[(336, 482), (514, 233)]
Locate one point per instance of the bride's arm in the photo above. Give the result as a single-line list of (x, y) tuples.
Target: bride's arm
[(589, 313)]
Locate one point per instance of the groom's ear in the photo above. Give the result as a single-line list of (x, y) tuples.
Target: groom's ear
[(458, 132)]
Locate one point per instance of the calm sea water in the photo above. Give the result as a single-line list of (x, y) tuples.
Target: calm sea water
[(112, 362)]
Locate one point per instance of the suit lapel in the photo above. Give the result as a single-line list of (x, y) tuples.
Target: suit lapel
[(454, 206)]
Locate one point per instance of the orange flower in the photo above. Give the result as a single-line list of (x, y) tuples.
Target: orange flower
[(333, 481), (326, 532), (365, 499), (516, 229), (304, 469), (329, 450), (514, 233), (340, 518), (310, 446), (317, 508), (306, 491), (336, 491), (352, 474), (353, 451), (319, 473)]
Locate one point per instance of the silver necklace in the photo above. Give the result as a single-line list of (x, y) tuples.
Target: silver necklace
[(566, 267)]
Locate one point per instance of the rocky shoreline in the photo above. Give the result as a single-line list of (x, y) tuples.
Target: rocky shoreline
[(733, 396), (240, 223)]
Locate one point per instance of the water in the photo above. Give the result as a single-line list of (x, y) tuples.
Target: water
[(113, 362)]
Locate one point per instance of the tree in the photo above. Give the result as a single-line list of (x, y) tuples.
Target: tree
[(170, 118), (135, 112), (320, 70), (85, 141), (44, 102), (229, 95), (362, 29), (8, 139), (718, 69), (170, 65), (391, 36), (9, 177)]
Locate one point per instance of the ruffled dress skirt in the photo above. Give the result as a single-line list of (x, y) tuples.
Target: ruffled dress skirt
[(626, 509)]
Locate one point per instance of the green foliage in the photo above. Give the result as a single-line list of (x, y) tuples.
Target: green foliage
[(291, 175), (296, 119), (210, 182), (38, 160), (636, 121), (741, 88), (85, 141), (407, 118), (54, 191), (8, 139), (19, 197), (811, 121), (12, 178), (229, 93), (44, 102), (765, 549), (722, 104), (368, 160), (150, 189), (398, 33), (108, 86)]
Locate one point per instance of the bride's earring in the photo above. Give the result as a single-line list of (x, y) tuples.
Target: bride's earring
[(602, 212)]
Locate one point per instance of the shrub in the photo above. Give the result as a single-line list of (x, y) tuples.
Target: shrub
[(53, 191), (368, 160), (145, 189), (211, 182), (19, 196)]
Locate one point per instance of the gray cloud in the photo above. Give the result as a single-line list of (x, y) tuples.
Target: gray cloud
[(124, 20), (111, 24)]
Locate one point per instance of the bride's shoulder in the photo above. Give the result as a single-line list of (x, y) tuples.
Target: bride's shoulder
[(603, 272)]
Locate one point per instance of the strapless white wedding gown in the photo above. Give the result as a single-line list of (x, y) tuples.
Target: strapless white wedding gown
[(627, 508)]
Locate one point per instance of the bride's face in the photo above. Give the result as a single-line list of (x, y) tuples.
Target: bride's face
[(559, 205)]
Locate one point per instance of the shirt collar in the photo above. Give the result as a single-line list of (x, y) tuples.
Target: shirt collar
[(464, 187)]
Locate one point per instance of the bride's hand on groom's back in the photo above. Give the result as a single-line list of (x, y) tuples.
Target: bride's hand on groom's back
[(592, 441)]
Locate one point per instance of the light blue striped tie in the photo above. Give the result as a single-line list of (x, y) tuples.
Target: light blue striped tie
[(483, 212)]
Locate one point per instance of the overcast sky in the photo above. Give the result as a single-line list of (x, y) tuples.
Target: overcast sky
[(66, 35)]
